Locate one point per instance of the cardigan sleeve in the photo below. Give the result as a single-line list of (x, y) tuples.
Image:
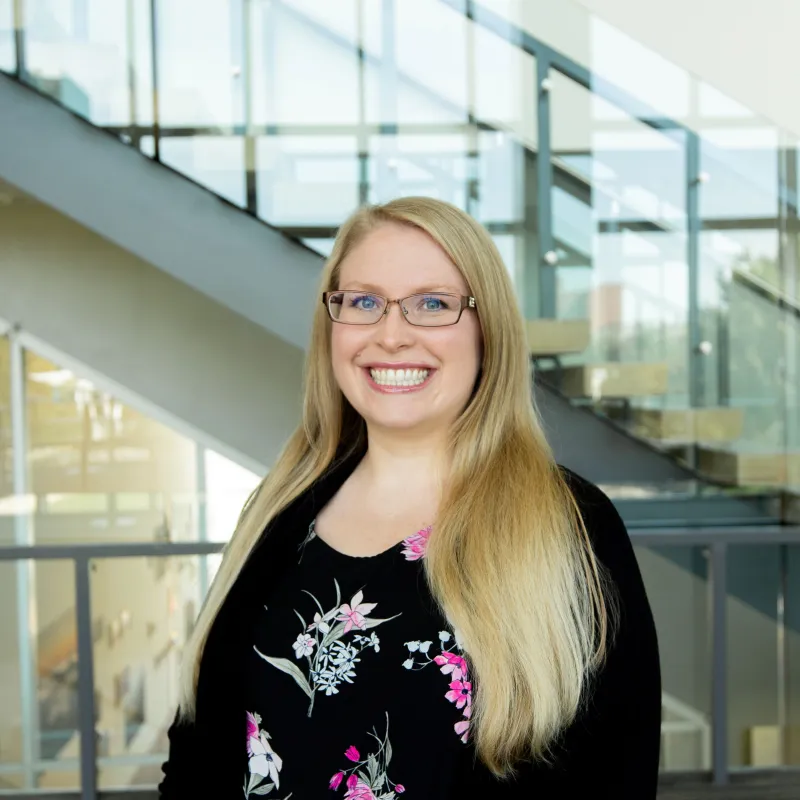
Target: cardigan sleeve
[(181, 768), (612, 748)]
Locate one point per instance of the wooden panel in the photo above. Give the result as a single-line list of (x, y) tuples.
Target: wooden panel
[(750, 469), (614, 380), (554, 337), (671, 425), (793, 470), (765, 746), (718, 424), (689, 425)]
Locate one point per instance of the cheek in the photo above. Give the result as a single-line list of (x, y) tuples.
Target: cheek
[(346, 343)]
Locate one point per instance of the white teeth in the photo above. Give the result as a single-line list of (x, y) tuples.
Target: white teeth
[(399, 377)]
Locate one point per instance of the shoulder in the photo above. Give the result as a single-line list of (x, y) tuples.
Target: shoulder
[(609, 538), (590, 498), (603, 523)]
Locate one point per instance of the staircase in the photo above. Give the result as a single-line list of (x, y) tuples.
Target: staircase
[(592, 256)]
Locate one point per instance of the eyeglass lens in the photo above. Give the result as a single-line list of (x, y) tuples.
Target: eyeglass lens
[(363, 308)]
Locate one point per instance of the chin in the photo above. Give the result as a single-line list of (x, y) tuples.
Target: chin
[(399, 424)]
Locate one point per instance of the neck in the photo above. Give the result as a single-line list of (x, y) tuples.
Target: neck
[(402, 462)]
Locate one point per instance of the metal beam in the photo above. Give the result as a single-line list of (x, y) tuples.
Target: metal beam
[(131, 550), (696, 371), (547, 256), (718, 580), (86, 706), (25, 570)]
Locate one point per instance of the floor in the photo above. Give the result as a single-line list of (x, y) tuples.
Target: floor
[(768, 787)]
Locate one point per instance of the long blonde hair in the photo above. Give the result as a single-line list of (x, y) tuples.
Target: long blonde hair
[(509, 562)]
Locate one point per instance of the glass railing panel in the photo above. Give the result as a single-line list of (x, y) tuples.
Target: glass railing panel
[(677, 582), (217, 162), (143, 612), (86, 55), (748, 334), (38, 690), (434, 165), (308, 181), (417, 69), (763, 632), (288, 86), (8, 47), (757, 334), (792, 395), (200, 84), (502, 85), (619, 225)]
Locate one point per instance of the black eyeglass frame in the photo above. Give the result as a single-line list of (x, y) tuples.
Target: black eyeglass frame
[(466, 301)]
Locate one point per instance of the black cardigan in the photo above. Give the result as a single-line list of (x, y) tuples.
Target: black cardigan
[(610, 751)]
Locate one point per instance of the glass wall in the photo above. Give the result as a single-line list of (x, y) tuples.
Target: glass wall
[(137, 642), (39, 743), (97, 470), (100, 470)]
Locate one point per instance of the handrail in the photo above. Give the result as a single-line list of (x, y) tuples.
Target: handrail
[(767, 291), (702, 535)]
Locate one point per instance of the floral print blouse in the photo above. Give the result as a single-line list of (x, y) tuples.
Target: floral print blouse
[(326, 676), (355, 686)]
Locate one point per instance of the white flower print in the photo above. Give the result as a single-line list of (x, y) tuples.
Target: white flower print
[(331, 661), (263, 762), (304, 646), (321, 623)]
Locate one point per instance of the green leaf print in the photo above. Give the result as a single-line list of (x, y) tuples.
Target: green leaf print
[(284, 665)]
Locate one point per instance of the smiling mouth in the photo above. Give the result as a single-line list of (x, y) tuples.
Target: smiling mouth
[(399, 377)]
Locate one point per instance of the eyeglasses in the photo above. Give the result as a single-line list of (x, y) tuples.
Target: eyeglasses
[(429, 310)]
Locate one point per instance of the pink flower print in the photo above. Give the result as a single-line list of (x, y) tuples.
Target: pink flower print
[(336, 780), (417, 544), (352, 753), (252, 731), (452, 663), (460, 693), (353, 613), (462, 728), (360, 791), (399, 788), (352, 781)]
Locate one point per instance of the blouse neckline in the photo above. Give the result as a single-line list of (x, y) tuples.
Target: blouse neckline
[(346, 557)]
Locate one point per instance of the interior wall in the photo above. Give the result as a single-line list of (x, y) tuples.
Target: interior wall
[(219, 377)]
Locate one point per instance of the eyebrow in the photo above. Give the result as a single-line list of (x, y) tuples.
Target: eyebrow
[(370, 287)]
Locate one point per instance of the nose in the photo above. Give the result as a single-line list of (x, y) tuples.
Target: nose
[(393, 331)]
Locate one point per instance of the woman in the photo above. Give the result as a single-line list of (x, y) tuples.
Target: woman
[(417, 598)]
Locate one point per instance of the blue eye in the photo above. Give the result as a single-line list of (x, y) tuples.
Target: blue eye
[(364, 302), (434, 304)]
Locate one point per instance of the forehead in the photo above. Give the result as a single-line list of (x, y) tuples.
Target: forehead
[(400, 259)]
